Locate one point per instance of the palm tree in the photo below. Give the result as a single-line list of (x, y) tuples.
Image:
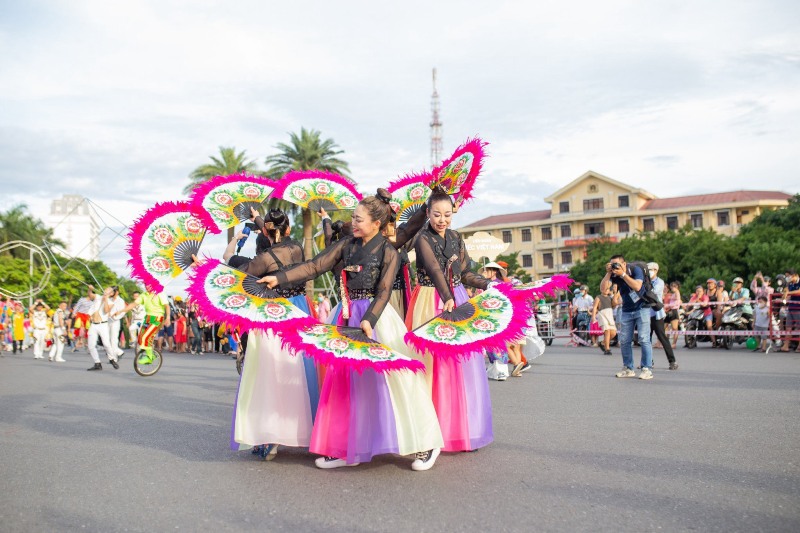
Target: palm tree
[(228, 163), (306, 151)]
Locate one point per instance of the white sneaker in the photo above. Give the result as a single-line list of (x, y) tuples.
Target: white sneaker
[(425, 460), (332, 462), (646, 374), (626, 373), (60, 360)]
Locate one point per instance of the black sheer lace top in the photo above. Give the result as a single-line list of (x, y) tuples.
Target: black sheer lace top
[(404, 233), (438, 257), (278, 258), (370, 270)]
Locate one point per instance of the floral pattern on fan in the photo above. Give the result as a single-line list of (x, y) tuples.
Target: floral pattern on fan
[(347, 347), (226, 294), (484, 322), (224, 201), (409, 194), (162, 242), (315, 189), (457, 174)]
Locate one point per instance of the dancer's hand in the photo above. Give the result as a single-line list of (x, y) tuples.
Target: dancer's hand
[(366, 327), (449, 305), (253, 213), (271, 281), (196, 261), (322, 213)]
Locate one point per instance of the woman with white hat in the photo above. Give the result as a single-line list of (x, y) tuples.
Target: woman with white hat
[(498, 361)]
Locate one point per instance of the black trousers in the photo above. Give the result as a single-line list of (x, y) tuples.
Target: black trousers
[(657, 327), (16, 344)]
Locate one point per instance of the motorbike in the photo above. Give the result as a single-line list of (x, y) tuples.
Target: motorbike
[(544, 323), (694, 321), (735, 320), (582, 321)]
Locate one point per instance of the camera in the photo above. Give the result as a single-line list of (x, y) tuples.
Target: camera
[(615, 265)]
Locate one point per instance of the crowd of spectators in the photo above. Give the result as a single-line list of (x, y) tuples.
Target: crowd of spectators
[(772, 308)]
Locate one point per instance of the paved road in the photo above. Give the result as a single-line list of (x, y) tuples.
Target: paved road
[(711, 447)]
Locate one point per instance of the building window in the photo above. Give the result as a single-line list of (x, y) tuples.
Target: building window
[(507, 235), (593, 204), (697, 220), (648, 224), (592, 188), (672, 222), (563, 207), (547, 234), (566, 231), (527, 261), (594, 228), (624, 226), (547, 259), (526, 235), (566, 258), (723, 218), (623, 200)]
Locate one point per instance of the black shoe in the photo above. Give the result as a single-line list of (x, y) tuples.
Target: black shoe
[(526, 367), (606, 352), (673, 366), (114, 364), (97, 366)]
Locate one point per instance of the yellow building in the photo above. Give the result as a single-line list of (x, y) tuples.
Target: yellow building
[(595, 206)]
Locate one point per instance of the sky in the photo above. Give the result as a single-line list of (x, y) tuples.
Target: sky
[(120, 101)]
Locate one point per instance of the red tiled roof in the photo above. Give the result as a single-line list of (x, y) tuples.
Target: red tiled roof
[(513, 218), (717, 198)]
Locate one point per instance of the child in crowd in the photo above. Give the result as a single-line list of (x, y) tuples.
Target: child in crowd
[(761, 321)]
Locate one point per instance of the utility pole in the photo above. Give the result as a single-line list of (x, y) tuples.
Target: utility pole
[(436, 126)]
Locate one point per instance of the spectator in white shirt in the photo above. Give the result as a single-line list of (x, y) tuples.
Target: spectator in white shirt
[(115, 314)]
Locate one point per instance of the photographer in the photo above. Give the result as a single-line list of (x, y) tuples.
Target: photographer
[(635, 315)]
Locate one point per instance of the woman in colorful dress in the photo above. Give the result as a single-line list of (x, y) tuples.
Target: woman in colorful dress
[(278, 392), (459, 387), (365, 414)]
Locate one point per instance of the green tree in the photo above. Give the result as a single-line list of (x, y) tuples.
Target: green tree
[(229, 162), (17, 224), (514, 268), (306, 151)]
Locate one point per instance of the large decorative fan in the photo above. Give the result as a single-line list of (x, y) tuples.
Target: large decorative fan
[(225, 294), (409, 195), (484, 322), (162, 242), (457, 174), (347, 347), (224, 201), (545, 286), (315, 189)]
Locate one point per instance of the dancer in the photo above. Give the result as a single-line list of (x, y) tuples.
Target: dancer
[(38, 313), (136, 321), (59, 333), (101, 306), (278, 392), (365, 414), (498, 361), (115, 314), (459, 386)]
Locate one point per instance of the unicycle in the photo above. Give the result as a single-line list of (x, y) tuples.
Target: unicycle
[(147, 369)]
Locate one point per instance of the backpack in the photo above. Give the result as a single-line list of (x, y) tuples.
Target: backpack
[(648, 295)]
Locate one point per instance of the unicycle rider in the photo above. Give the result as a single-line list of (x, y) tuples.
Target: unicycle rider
[(156, 314)]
